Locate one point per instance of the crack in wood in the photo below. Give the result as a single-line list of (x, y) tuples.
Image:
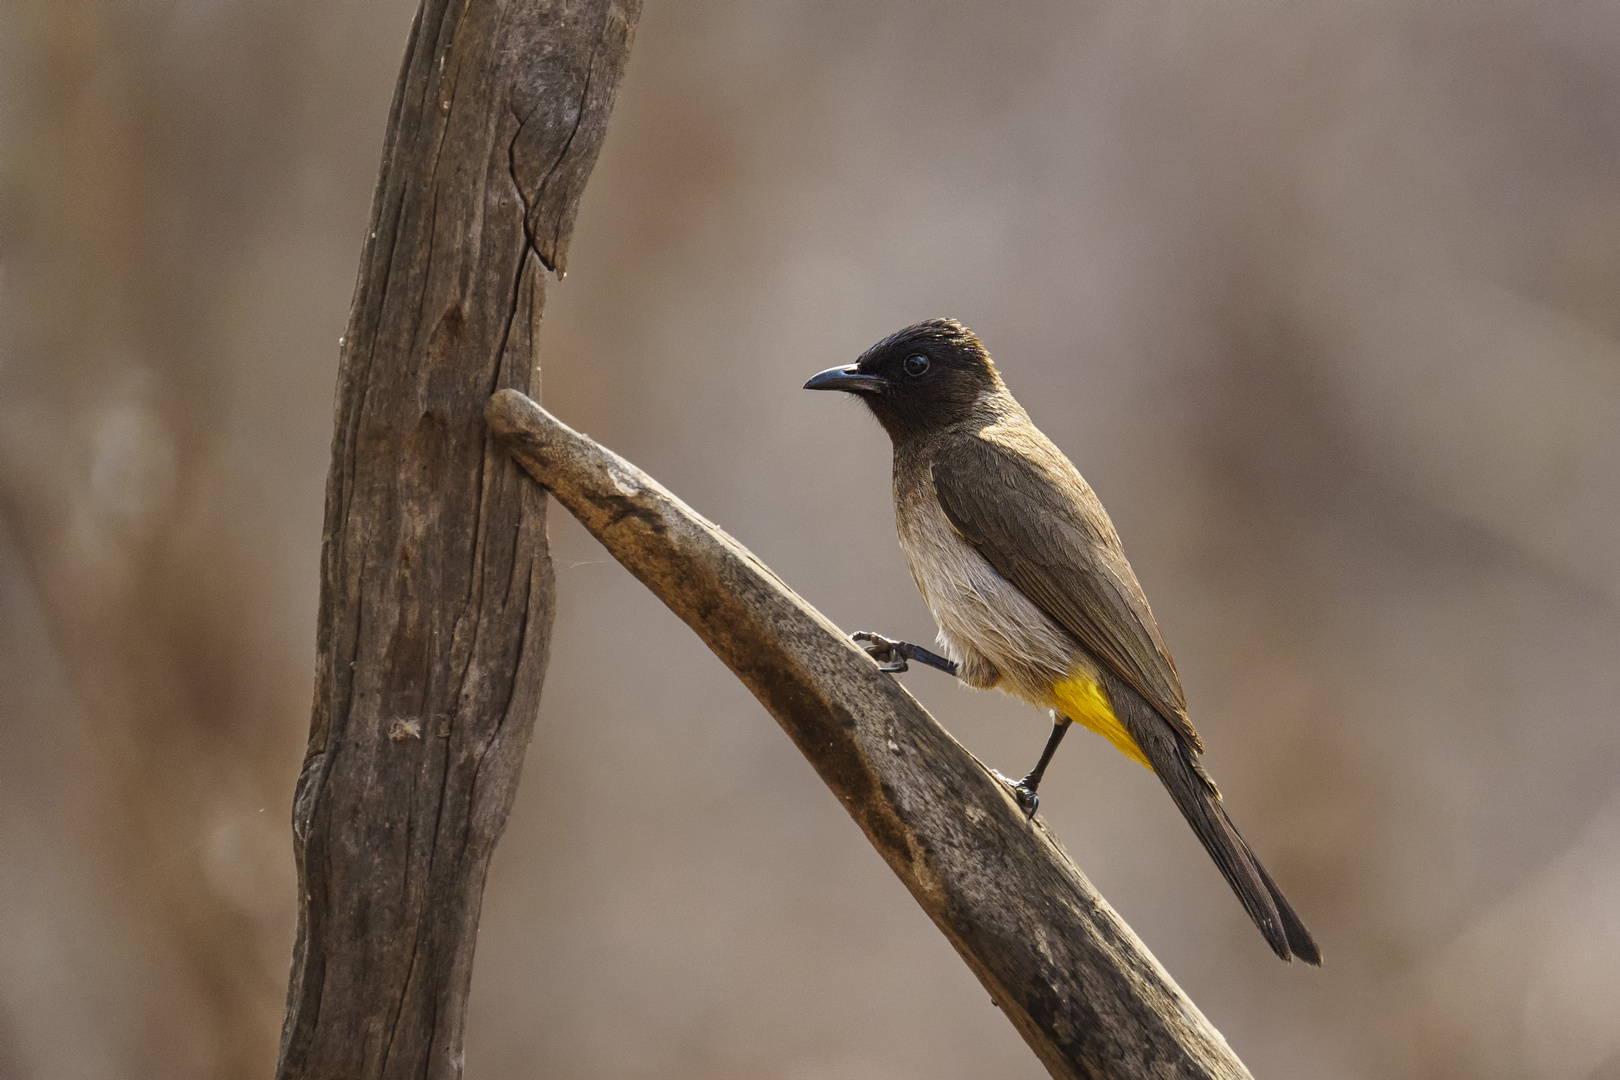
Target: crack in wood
[(424, 622)]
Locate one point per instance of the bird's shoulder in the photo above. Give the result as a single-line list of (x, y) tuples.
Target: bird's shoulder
[(1015, 459)]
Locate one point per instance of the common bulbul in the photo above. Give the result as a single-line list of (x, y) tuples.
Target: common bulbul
[(1027, 580)]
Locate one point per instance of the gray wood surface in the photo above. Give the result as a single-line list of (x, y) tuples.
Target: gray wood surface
[(1064, 968), (436, 582)]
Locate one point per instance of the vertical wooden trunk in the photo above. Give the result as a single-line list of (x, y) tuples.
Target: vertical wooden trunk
[(436, 583)]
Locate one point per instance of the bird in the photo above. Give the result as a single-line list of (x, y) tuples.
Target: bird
[(1027, 580)]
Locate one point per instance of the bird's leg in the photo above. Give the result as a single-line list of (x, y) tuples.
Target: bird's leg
[(892, 656), (1024, 790)]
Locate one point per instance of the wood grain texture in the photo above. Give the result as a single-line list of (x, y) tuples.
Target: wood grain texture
[(1071, 976), (436, 582)]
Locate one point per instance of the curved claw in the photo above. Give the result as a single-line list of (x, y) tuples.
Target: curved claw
[(1028, 800), (875, 643), (882, 650)]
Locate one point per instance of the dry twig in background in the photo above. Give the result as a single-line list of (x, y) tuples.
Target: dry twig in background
[(1076, 982), (436, 582)]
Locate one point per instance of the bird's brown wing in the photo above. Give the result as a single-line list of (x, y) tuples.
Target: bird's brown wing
[(1041, 527)]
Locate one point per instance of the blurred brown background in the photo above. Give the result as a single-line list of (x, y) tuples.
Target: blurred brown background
[(1322, 298)]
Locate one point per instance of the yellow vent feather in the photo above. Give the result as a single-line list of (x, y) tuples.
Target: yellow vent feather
[(1082, 700)]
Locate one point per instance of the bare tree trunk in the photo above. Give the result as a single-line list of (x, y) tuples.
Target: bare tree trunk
[(1079, 986), (436, 582)]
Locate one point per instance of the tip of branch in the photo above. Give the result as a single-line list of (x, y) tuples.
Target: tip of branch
[(511, 413)]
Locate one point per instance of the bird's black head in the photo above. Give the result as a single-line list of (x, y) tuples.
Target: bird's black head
[(920, 379)]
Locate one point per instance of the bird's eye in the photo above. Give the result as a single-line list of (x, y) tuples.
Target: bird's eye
[(916, 365)]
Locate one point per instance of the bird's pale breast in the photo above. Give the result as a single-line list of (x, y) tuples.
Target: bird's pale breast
[(977, 610)]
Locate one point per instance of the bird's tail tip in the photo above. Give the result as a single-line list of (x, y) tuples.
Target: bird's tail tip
[(1275, 917), (1286, 935)]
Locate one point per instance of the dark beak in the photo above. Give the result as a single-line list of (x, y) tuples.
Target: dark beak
[(847, 378)]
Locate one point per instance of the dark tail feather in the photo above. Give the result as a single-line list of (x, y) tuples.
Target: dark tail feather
[(1200, 804), (1300, 941)]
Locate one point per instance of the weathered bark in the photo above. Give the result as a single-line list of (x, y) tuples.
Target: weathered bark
[(436, 582), (1071, 976)]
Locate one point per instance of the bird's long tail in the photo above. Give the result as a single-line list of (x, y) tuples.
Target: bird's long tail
[(1177, 767)]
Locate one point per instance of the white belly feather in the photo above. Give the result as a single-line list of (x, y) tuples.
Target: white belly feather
[(979, 611)]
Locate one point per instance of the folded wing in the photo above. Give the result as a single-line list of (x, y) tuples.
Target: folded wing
[(1039, 524)]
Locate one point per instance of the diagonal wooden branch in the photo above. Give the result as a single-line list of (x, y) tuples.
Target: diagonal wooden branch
[(1071, 976)]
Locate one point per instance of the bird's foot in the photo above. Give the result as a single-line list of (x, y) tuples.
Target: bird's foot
[(890, 658), (1028, 800), (1023, 792), (893, 656)]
